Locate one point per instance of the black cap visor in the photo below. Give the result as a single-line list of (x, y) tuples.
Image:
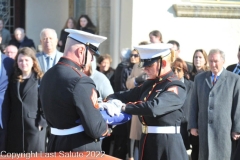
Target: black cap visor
[(148, 62), (91, 47)]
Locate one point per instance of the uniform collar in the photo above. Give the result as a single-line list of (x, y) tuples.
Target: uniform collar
[(165, 76), (70, 63)]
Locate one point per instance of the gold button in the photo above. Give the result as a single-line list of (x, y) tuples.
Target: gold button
[(145, 99), (150, 92), (160, 79), (141, 116), (144, 129)]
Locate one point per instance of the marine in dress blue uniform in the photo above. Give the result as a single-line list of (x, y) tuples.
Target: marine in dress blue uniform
[(68, 97), (158, 103)]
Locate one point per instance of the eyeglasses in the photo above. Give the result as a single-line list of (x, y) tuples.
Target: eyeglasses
[(134, 55), (176, 69)]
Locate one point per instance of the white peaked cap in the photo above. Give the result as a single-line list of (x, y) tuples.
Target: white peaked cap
[(85, 37), (154, 50)]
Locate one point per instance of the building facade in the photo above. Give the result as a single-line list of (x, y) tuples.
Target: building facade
[(195, 24)]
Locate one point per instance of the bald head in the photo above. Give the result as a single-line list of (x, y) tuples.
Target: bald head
[(77, 52), (11, 51)]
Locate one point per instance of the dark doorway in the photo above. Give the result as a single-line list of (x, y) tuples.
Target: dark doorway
[(19, 13), (13, 14)]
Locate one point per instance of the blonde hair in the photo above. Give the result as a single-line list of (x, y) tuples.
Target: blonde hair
[(170, 57)]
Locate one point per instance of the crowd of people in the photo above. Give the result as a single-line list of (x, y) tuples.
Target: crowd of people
[(51, 100)]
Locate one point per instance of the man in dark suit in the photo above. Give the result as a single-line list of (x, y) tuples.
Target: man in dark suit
[(21, 40), (6, 68), (235, 68)]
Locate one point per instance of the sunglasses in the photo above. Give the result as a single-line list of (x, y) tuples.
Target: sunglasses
[(134, 55), (176, 69)]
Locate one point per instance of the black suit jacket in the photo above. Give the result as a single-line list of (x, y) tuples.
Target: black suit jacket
[(231, 67), (25, 43)]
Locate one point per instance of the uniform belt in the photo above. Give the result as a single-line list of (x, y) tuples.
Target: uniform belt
[(62, 132), (160, 129)]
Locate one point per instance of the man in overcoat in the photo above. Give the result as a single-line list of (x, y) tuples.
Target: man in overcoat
[(215, 109)]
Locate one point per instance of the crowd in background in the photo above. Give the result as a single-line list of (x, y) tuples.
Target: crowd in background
[(27, 129)]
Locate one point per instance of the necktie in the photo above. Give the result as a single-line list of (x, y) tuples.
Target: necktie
[(214, 79), (48, 62), (237, 70)]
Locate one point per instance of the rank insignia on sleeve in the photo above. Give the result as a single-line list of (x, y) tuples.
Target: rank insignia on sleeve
[(94, 99), (173, 89)]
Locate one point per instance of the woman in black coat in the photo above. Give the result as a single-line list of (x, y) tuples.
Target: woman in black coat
[(70, 24), (180, 69), (27, 125)]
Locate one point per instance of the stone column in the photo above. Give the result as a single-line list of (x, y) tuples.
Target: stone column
[(79, 8)]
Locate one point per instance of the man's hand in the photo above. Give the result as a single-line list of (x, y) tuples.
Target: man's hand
[(194, 132), (111, 108), (141, 78), (235, 135)]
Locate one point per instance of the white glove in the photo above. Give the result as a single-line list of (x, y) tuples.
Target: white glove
[(116, 102), (111, 108)]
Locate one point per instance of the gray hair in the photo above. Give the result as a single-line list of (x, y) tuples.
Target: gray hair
[(48, 29), (20, 29), (213, 51)]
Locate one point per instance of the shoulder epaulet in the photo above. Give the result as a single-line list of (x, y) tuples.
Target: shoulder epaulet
[(78, 72)]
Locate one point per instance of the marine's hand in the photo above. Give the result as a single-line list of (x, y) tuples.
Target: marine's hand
[(194, 132), (116, 102), (111, 108), (235, 135)]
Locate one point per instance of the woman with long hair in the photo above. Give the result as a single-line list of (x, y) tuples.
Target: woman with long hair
[(155, 36), (85, 24), (70, 24), (27, 125), (200, 63)]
